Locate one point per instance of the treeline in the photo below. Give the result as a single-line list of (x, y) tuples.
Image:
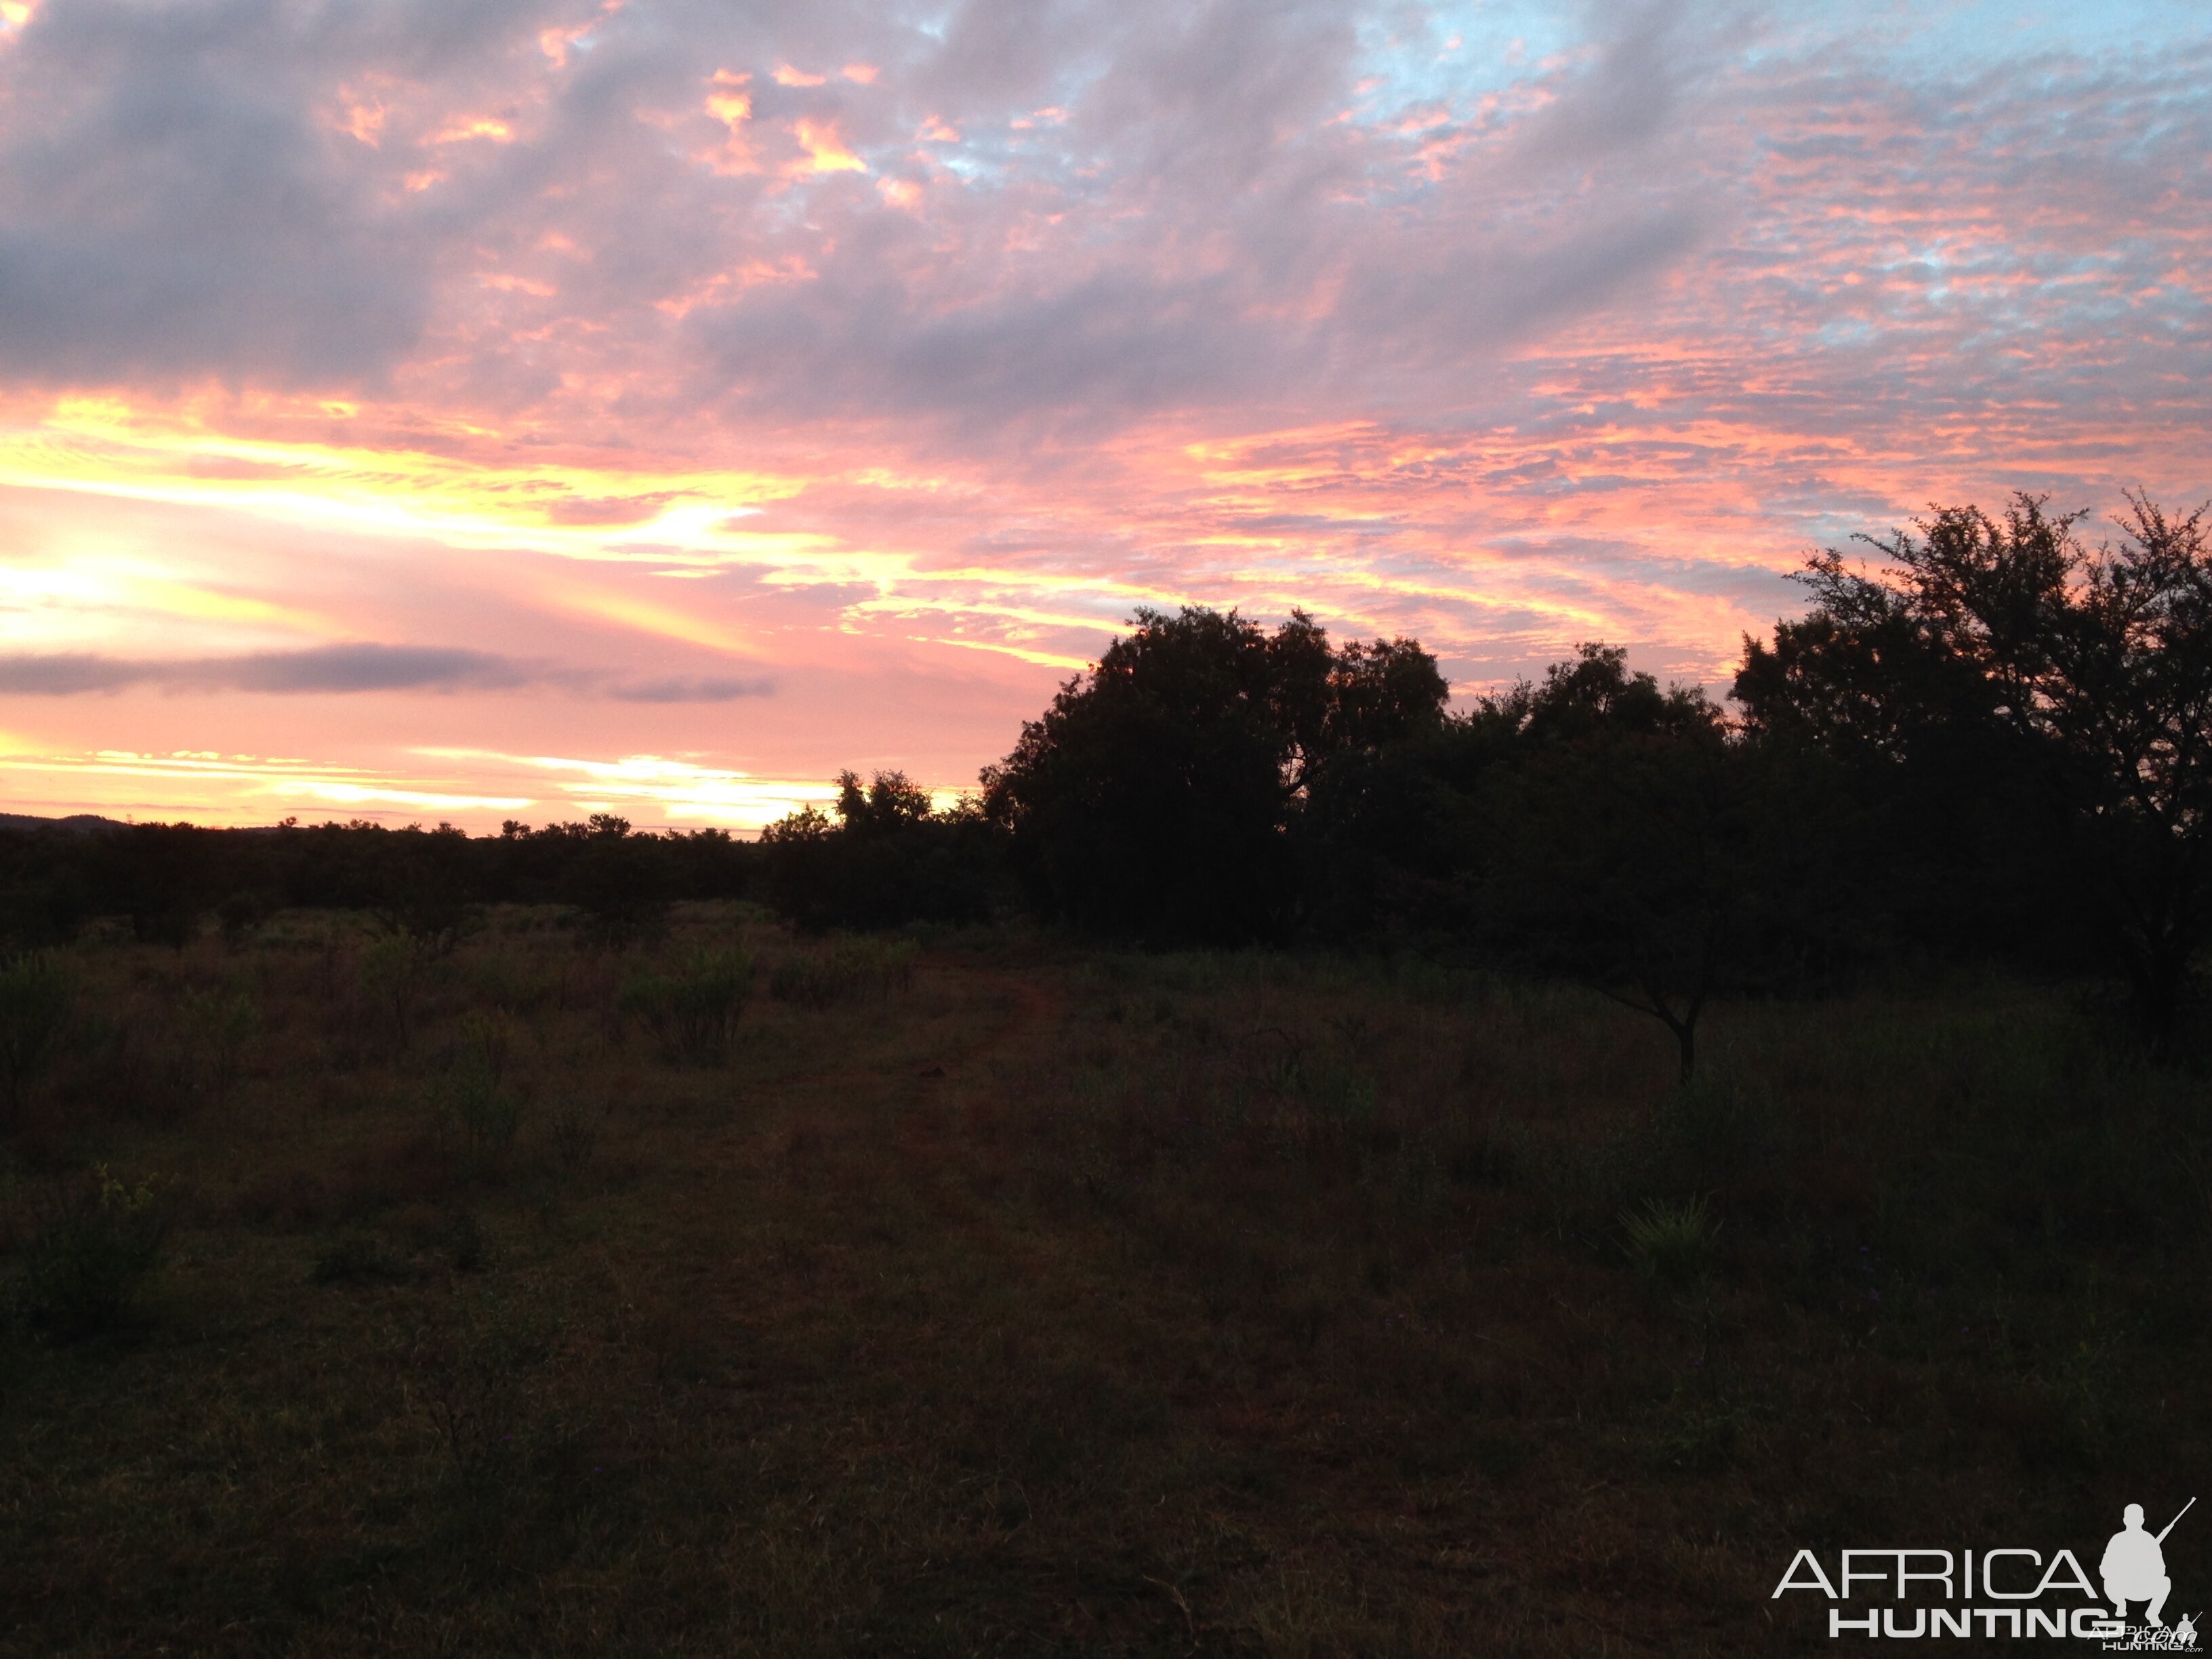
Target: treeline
[(169, 880), (1994, 743)]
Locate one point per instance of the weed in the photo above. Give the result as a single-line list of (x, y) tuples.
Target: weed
[(36, 995), (574, 1135), (476, 1112), (468, 1380), (1357, 1033), (693, 1007), (1697, 1436), (393, 971), (1341, 1097), (1671, 1240), (95, 1241), (849, 970), (487, 1043), (513, 986), (215, 1029)]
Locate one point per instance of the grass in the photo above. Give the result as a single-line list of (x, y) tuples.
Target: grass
[(1671, 1239), (1014, 1299)]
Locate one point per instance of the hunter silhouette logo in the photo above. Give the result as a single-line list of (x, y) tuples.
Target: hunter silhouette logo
[(2012, 1592), (2134, 1568)]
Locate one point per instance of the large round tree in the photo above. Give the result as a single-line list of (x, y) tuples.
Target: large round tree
[(1153, 798)]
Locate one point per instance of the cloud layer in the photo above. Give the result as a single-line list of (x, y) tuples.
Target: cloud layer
[(904, 350), (345, 669)]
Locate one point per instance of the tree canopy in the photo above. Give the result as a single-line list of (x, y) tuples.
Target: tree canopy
[(2006, 663), (1154, 797)]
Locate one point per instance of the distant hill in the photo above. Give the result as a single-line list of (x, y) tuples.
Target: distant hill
[(77, 824)]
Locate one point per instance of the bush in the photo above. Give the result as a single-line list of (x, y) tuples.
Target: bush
[(216, 1029), (476, 1110), (693, 1007), (850, 970), (99, 1240), (574, 1136), (36, 995), (394, 973), (1671, 1240)]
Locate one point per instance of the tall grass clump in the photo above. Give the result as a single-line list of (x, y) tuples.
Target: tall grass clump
[(849, 970), (216, 1027), (37, 993), (692, 1006), (94, 1244), (477, 1109), (393, 970), (1671, 1240)]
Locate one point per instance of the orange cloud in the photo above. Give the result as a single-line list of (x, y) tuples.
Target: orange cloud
[(664, 621), (657, 787), (215, 788), (363, 118), (105, 447), (825, 149), (478, 126), (729, 103)]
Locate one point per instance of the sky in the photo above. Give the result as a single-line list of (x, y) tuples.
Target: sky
[(420, 411)]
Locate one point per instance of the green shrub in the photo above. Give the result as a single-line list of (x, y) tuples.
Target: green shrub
[(1341, 1097), (849, 970), (487, 1042), (693, 1007), (37, 993), (513, 984), (1669, 1240), (93, 1245), (574, 1136), (475, 1111), (215, 1027)]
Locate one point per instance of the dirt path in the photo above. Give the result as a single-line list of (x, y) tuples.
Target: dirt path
[(1038, 1003)]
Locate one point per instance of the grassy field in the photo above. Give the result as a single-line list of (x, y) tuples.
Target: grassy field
[(1002, 1298)]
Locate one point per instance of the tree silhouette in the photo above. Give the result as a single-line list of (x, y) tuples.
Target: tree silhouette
[(2010, 650), (1622, 844), (1154, 796), (888, 858), (889, 802)]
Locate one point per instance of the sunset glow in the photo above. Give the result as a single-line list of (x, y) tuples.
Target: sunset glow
[(655, 409)]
